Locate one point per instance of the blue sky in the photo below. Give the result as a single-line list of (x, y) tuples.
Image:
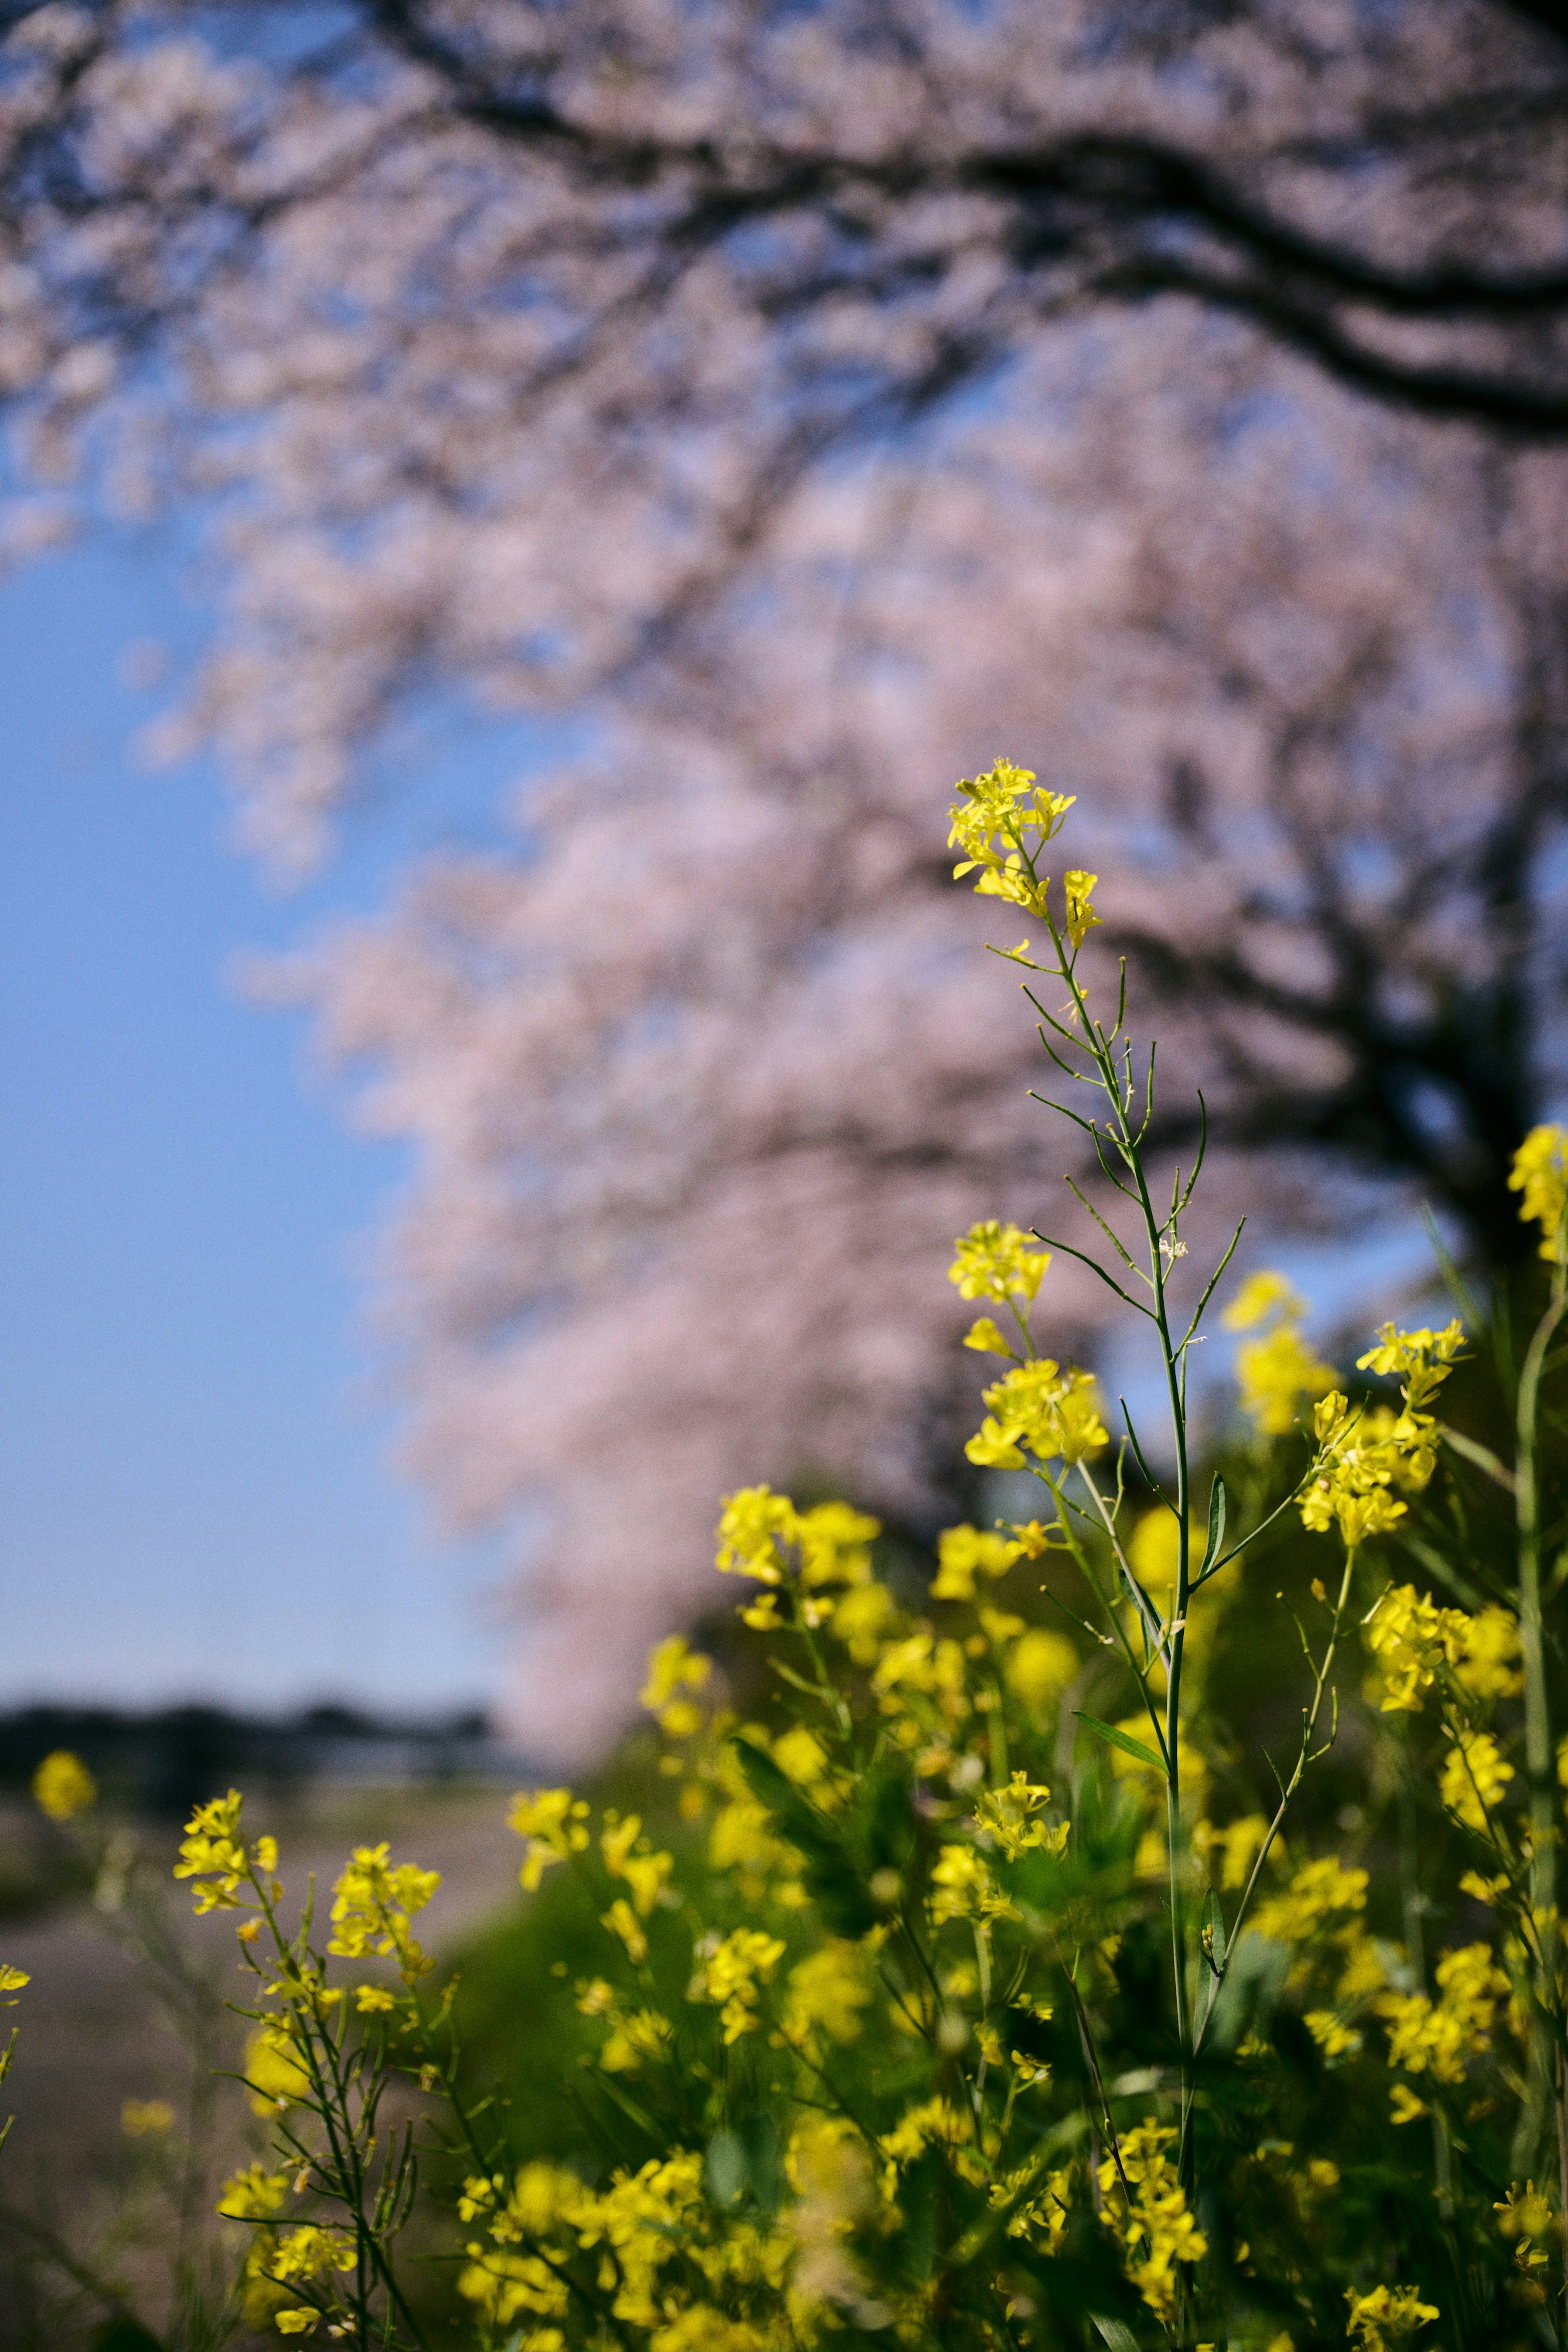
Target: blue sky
[(196, 1493)]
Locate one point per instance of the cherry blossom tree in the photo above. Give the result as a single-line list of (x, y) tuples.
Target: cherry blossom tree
[(815, 404)]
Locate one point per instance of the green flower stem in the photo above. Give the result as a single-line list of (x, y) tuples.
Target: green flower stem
[(1546, 2054)]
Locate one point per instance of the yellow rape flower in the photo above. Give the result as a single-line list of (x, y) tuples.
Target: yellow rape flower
[(1320, 1900), (274, 2069), (1541, 1173), (860, 1619), (1237, 1844), (214, 1851), (1276, 1370), (623, 1921), (1082, 919), (800, 1755), (626, 1855), (1333, 2037), (828, 1989), (1156, 2230), (1385, 2318), (253, 2194), (834, 1541), (731, 1971), (1441, 2037), (63, 1787), (1000, 820), (1425, 1359), (1040, 1407), (997, 1262), (552, 1820), (1012, 1816), (755, 1524), (964, 1553), (1474, 1777), (674, 1667), (373, 1903)]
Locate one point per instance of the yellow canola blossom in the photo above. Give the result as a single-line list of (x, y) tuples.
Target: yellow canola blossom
[(1385, 2319), (214, 1851), (373, 1903), (674, 1668), (1424, 1358), (253, 2194), (146, 2118), (1000, 822), (997, 1262), (1077, 890), (1541, 1173), (63, 1787), (1156, 2230), (1525, 2216), (763, 1536), (1276, 1370), (1441, 2037), (1474, 1779), (828, 1989), (1238, 1845), (730, 1972), (1040, 1409), (553, 1823), (1413, 1640), (274, 2069), (962, 1887), (859, 1619), (1362, 1454), (964, 1553), (627, 1855), (1321, 1900), (1012, 1816)]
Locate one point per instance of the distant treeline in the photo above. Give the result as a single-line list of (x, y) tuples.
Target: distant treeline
[(167, 1761)]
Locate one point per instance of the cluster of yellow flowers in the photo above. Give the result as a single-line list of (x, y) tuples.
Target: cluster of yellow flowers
[(1001, 822), (1149, 2214), (1363, 1454), (1442, 2037), (1413, 1640), (1276, 1369), (852, 1990), (1539, 1172)]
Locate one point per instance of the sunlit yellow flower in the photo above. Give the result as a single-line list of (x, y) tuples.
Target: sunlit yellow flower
[(998, 1262), (1541, 1172), (552, 1820)]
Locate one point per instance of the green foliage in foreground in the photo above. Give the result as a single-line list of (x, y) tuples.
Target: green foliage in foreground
[(1148, 1935)]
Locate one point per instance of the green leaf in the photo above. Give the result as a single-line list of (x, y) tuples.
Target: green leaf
[(1120, 2339), (1217, 1502), (1121, 1739)]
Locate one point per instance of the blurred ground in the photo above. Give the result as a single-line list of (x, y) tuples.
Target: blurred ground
[(94, 2034)]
